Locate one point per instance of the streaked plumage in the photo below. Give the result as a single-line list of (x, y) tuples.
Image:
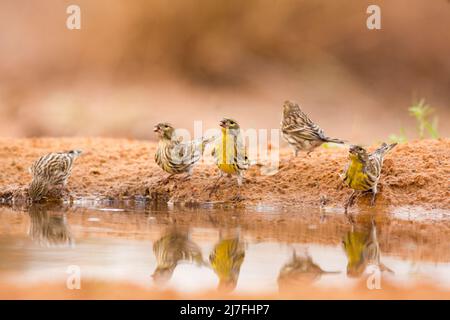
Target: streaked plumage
[(170, 250), (299, 271), (363, 172), (230, 154), (226, 260), (175, 156), (300, 132), (48, 230), (49, 171), (362, 249)]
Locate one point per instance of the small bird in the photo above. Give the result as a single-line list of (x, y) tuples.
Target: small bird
[(174, 156), (362, 249), (50, 171), (230, 154), (363, 172), (226, 260), (171, 249), (300, 270), (300, 132)]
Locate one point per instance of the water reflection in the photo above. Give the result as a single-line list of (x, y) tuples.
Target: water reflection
[(226, 260), (299, 271), (172, 248), (225, 249), (363, 250), (48, 229)]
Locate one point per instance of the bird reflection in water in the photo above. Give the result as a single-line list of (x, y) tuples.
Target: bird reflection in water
[(301, 270), (363, 250), (172, 248), (48, 229), (226, 259)]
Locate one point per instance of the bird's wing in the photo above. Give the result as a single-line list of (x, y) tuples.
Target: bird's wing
[(189, 152), (306, 131)]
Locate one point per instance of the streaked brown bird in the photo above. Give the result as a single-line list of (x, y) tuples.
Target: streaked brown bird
[(300, 132), (301, 270), (174, 156), (363, 172), (51, 171), (170, 250), (47, 229)]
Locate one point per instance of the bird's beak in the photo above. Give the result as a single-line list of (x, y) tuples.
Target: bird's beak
[(223, 124), (156, 129)]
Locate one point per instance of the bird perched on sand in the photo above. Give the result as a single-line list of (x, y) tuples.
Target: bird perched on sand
[(51, 171), (363, 172), (230, 154), (362, 249), (171, 249), (300, 270), (174, 156), (226, 260), (300, 132)]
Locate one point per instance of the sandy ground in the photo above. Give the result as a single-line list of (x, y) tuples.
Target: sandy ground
[(415, 173)]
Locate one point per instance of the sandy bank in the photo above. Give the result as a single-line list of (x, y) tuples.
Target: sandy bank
[(415, 173)]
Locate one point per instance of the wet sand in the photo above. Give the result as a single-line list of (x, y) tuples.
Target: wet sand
[(414, 174)]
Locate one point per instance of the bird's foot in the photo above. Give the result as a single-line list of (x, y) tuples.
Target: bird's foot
[(186, 178), (212, 189), (350, 218), (166, 179), (237, 198)]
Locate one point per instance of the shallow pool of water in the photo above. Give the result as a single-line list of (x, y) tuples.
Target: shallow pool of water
[(243, 250)]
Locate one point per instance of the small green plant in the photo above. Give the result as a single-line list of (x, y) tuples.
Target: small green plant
[(400, 138), (423, 113), (426, 123)]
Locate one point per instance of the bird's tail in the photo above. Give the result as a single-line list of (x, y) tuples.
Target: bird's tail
[(332, 140), (384, 148), (206, 141)]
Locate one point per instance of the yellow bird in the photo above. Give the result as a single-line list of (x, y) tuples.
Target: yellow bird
[(363, 172), (226, 260), (230, 154), (362, 249)]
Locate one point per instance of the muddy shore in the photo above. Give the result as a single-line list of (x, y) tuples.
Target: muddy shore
[(415, 173)]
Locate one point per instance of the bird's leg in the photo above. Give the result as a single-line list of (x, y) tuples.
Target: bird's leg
[(188, 175), (374, 194), (167, 179), (238, 196), (350, 201), (288, 163), (215, 186)]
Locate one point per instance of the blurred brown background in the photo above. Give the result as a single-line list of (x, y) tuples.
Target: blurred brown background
[(135, 63)]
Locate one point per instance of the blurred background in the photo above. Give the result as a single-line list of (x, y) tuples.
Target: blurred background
[(136, 63)]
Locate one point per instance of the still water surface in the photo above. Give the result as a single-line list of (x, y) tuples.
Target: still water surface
[(259, 249)]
